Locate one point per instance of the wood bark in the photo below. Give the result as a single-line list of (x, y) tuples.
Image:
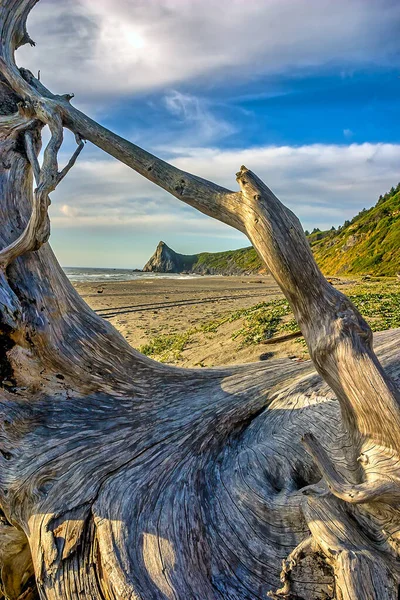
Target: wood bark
[(122, 478)]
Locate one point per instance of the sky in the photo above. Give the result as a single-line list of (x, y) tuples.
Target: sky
[(303, 92)]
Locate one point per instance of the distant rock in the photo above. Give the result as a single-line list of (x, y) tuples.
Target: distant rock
[(244, 261), (349, 243), (366, 245), (166, 260)]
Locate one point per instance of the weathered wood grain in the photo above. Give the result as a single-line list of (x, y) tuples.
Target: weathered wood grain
[(122, 478)]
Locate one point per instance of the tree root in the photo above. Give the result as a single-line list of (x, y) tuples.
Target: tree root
[(305, 548), (132, 479), (384, 487)]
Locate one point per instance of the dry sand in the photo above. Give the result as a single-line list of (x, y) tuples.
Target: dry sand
[(143, 309)]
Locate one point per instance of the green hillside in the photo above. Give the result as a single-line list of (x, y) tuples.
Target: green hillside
[(233, 261), (368, 244)]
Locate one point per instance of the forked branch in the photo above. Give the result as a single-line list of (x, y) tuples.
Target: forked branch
[(145, 509), (32, 156), (383, 487), (47, 177), (72, 160)]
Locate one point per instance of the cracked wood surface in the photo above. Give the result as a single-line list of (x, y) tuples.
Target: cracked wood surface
[(124, 478)]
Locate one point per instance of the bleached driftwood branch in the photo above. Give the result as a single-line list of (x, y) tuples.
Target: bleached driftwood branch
[(124, 478)]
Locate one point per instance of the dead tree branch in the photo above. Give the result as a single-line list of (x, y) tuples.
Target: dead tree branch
[(124, 478)]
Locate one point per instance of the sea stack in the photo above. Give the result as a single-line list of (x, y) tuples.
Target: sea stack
[(165, 260)]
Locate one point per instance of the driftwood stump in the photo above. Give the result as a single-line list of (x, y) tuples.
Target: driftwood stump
[(122, 478)]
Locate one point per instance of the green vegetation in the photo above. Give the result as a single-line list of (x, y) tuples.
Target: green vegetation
[(167, 347), (261, 322), (378, 301), (368, 244), (233, 261)]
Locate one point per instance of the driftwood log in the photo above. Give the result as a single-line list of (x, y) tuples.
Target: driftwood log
[(122, 478)]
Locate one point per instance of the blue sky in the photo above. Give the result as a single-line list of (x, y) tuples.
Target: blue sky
[(304, 92)]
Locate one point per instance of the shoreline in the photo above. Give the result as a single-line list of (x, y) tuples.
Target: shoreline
[(78, 275)]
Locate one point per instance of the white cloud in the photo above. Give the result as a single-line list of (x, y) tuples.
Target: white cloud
[(199, 121), (348, 133), (103, 193), (112, 47), (323, 184), (69, 211)]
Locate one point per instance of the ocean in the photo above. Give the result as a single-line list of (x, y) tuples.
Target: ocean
[(78, 274)]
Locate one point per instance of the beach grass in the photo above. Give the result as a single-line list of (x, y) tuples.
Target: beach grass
[(378, 301)]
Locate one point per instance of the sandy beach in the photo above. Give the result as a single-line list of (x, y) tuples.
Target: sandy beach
[(142, 310), (189, 321)]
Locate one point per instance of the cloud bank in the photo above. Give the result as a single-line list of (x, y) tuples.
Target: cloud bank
[(323, 184), (189, 80), (119, 47)]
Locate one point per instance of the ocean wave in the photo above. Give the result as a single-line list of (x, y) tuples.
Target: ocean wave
[(93, 275)]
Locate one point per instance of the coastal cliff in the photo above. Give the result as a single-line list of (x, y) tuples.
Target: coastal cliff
[(166, 260), (232, 262), (368, 244)]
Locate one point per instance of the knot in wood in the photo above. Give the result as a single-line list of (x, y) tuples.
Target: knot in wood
[(26, 108), (180, 187), (67, 97)]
